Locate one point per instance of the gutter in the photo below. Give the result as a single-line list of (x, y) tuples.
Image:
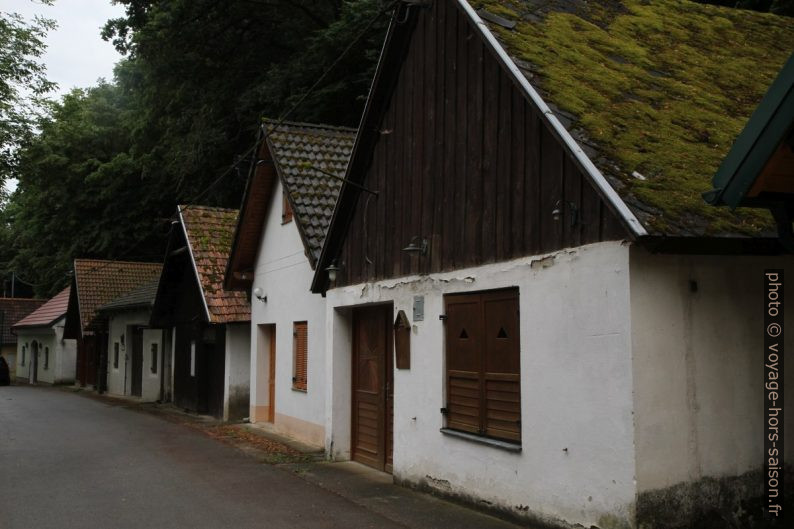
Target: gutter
[(606, 190)]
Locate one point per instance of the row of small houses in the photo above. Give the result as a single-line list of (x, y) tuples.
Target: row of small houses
[(467, 293)]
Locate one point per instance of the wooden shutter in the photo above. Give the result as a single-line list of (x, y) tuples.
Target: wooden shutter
[(301, 354), (483, 364), (286, 209), (502, 391), (463, 333)]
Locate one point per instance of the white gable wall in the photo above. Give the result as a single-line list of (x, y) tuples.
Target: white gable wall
[(577, 457), (62, 353), (284, 274), (120, 378)]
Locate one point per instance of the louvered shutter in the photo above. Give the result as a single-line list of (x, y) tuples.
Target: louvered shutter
[(301, 354), (483, 364), (463, 335), (502, 387)]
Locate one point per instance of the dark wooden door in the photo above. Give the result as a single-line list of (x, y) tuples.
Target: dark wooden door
[(214, 352), (185, 383), (136, 381), (91, 366), (271, 377), (373, 395), (34, 358)]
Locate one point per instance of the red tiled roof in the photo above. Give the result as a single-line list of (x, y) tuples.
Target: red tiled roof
[(11, 311), (47, 314), (99, 282), (209, 233)]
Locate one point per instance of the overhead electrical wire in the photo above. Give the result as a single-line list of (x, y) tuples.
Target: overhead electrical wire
[(255, 147)]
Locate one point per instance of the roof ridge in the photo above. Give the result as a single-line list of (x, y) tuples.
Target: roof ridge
[(185, 207), (305, 124), (84, 260), (23, 299)]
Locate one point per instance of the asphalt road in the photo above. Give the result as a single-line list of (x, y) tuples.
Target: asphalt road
[(67, 461)]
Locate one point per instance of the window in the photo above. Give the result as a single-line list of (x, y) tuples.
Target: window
[(153, 365), (115, 355), (286, 208), (192, 358), (300, 352), (24, 347), (483, 358), (46, 358)]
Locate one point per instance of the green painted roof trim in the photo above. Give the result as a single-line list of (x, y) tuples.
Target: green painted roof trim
[(757, 142)]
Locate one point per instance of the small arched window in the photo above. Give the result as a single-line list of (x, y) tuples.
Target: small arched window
[(24, 349), (46, 358)]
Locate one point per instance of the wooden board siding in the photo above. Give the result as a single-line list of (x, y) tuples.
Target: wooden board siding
[(463, 160)]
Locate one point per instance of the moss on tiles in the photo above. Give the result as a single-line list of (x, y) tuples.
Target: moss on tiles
[(662, 88)]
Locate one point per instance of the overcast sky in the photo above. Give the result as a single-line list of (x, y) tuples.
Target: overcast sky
[(76, 55)]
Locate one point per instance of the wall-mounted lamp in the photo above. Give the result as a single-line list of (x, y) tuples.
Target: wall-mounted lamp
[(260, 295), (417, 246), (333, 270), (559, 209), (121, 339)]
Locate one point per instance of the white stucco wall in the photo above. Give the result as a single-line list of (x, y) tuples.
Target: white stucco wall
[(62, 354), (284, 274), (120, 378), (576, 386), (23, 360), (237, 378), (698, 365)]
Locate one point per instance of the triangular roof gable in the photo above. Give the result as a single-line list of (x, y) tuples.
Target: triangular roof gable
[(392, 55), (208, 232), (12, 310), (48, 313), (303, 156), (96, 282), (664, 207)]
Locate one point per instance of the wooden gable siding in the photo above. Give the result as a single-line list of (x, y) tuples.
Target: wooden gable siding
[(466, 162), (250, 225)]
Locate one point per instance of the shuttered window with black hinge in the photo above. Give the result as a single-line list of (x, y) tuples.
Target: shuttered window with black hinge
[(483, 364)]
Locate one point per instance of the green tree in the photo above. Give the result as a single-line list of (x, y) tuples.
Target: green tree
[(23, 83), (81, 193), (110, 164)]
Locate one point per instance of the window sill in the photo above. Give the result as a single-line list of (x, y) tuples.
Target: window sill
[(299, 390), (495, 443)]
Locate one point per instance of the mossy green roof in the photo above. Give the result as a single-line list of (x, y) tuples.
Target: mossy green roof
[(655, 92)]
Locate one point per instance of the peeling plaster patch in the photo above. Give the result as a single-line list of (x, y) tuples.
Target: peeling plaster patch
[(538, 264), (438, 483), (371, 291)]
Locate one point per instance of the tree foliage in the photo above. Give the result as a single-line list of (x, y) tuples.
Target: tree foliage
[(22, 83), (104, 175)]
